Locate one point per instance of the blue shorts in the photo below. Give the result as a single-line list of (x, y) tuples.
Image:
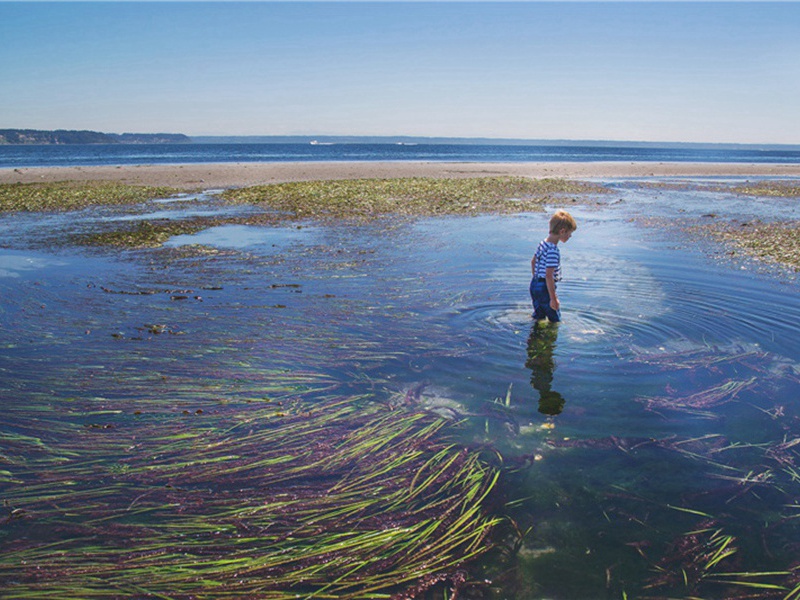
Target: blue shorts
[(541, 302)]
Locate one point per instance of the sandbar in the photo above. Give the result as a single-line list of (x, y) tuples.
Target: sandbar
[(228, 175)]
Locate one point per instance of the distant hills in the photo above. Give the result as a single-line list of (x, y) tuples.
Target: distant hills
[(62, 136)]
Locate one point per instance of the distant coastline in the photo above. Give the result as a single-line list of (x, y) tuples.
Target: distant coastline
[(38, 137), (31, 137)]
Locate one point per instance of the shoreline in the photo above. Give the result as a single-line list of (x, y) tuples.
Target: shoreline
[(226, 175)]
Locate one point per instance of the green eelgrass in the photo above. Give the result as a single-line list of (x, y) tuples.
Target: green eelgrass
[(722, 555), (697, 358), (769, 242), (776, 242), (343, 500), (365, 198), (723, 552), (788, 188), (350, 199), (154, 233), (698, 557), (779, 189), (698, 403), (141, 234), (74, 195)]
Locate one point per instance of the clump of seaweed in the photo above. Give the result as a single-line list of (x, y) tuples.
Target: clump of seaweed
[(716, 556), (775, 189), (339, 500), (718, 376), (766, 188), (140, 234), (364, 198), (769, 242), (74, 195), (700, 539), (699, 403), (680, 186), (708, 358), (703, 559), (154, 233), (704, 542), (348, 199)]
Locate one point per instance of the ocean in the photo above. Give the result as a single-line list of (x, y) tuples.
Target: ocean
[(129, 154)]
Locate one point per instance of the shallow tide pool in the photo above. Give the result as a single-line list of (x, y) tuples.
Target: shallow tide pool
[(649, 442)]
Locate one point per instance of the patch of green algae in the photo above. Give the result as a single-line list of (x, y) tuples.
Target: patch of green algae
[(74, 195), (768, 242), (359, 199), (777, 189), (366, 198)]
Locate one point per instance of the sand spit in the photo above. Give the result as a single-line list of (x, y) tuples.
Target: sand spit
[(227, 175)]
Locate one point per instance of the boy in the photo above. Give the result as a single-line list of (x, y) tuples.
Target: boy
[(546, 268)]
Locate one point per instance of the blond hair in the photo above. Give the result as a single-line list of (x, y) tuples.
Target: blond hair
[(562, 220)]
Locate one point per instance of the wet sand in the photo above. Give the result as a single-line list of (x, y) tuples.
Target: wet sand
[(226, 175)]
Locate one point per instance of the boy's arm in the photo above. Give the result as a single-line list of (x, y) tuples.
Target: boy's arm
[(533, 266), (550, 279)]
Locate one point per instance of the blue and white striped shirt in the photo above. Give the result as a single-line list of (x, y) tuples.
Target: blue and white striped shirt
[(547, 255)]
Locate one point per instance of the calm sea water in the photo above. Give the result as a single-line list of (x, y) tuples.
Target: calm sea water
[(84, 155), (663, 410)]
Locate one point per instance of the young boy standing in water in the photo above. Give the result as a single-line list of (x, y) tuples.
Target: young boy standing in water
[(546, 268)]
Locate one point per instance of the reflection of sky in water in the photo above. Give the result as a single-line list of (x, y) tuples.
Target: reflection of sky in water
[(181, 207), (264, 239), (187, 197), (13, 265), (165, 214), (695, 202)]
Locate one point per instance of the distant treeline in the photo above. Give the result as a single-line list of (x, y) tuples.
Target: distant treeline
[(61, 136)]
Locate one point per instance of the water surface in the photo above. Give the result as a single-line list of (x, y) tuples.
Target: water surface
[(137, 154), (672, 381)]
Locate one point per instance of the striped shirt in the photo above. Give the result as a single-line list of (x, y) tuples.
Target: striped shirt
[(547, 255)]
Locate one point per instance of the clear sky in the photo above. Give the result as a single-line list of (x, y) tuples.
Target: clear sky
[(674, 71)]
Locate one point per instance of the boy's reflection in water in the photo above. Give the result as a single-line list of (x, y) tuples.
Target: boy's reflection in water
[(541, 345)]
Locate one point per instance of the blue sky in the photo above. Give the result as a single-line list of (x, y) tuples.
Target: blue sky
[(673, 71)]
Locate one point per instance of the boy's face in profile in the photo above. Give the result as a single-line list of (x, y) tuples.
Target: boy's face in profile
[(564, 234)]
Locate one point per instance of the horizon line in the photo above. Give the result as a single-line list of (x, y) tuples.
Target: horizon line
[(439, 138), (430, 139)]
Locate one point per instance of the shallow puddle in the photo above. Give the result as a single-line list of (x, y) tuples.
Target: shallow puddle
[(664, 404), (259, 239)]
